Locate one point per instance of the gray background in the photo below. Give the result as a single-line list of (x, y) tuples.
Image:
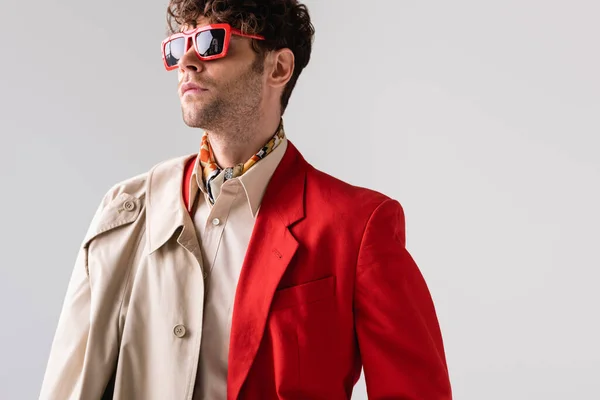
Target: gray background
[(480, 117)]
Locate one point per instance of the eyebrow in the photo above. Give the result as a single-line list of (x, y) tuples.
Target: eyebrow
[(169, 32)]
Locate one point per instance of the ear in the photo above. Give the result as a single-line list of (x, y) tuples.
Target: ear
[(280, 67)]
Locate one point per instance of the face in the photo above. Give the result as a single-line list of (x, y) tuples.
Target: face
[(231, 87)]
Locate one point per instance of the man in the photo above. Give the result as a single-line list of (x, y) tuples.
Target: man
[(242, 272)]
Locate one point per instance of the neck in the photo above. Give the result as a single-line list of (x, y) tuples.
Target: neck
[(236, 143)]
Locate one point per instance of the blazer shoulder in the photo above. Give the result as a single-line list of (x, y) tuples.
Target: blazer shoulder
[(339, 193)]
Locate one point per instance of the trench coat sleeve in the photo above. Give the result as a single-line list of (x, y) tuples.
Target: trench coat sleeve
[(65, 368), (397, 329)]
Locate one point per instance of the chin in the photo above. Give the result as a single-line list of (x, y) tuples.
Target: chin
[(195, 122), (192, 116), (202, 114)]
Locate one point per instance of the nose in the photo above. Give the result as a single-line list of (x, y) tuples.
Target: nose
[(190, 61)]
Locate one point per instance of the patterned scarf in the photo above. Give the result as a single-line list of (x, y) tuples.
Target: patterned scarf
[(210, 169)]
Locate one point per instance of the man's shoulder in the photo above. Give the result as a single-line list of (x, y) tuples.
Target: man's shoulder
[(137, 185), (130, 195), (333, 202), (337, 193)]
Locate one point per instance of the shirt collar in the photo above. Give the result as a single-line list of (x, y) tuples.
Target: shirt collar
[(165, 210)]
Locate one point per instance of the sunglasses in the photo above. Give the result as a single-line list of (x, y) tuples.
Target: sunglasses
[(211, 42)]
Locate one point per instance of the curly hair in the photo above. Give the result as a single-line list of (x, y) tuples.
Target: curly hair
[(283, 23)]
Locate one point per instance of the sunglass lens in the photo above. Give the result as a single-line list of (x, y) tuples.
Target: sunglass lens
[(174, 50), (211, 43)]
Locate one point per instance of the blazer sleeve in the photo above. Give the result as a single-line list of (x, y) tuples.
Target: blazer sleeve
[(64, 376), (396, 324)]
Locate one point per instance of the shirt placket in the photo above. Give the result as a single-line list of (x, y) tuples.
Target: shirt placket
[(216, 223)]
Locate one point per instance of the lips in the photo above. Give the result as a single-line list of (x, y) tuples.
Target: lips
[(191, 87)]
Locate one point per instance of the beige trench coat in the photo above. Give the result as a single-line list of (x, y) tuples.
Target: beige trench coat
[(112, 263)]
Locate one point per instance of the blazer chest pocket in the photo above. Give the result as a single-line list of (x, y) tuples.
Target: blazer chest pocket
[(304, 293)]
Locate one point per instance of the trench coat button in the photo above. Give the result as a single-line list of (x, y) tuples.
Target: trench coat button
[(179, 331), (129, 205), (216, 221)]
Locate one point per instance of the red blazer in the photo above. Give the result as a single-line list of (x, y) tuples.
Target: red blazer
[(327, 287)]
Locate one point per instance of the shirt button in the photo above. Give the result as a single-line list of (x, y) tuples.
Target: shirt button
[(205, 275), (129, 205), (179, 331), (216, 221)]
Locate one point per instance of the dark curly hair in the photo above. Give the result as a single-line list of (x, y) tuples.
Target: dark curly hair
[(283, 23)]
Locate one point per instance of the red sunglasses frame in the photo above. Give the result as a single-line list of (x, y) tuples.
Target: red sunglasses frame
[(194, 33)]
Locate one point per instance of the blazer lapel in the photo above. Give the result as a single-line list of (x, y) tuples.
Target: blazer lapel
[(270, 250)]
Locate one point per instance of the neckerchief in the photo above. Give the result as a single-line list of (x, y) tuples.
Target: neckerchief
[(210, 169)]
